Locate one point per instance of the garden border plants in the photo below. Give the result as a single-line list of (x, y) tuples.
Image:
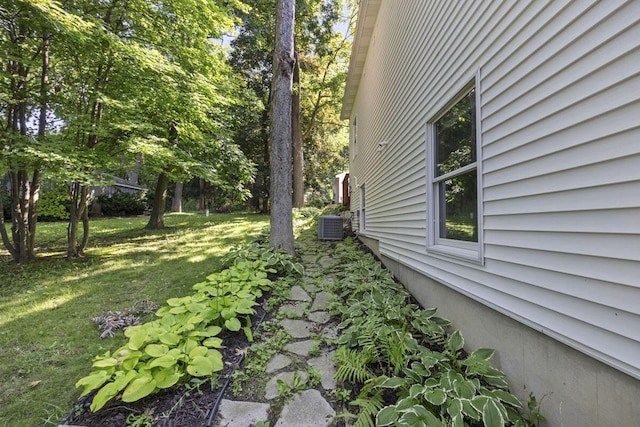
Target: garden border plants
[(183, 343), (405, 365)]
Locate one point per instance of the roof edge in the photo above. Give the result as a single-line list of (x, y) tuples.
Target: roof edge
[(364, 29)]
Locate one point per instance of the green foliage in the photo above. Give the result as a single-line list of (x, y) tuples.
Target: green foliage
[(286, 390), (353, 365), (146, 419), (276, 259), (183, 342), (369, 404), (53, 203), (323, 52), (123, 204), (391, 345), (48, 334)]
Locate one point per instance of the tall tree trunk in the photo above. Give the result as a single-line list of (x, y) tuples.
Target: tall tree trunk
[(202, 200), (34, 195), (22, 215), (78, 211), (156, 221), (85, 229), (24, 191), (283, 64), (72, 226), (296, 135), (3, 230), (263, 182), (176, 203)]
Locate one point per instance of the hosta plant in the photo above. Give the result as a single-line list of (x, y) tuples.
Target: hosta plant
[(183, 341), (390, 346)]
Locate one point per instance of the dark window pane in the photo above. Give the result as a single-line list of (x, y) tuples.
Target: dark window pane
[(458, 207), (456, 136)]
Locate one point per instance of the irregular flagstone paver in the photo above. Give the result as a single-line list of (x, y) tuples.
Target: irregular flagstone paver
[(297, 328), (278, 362), (271, 389), (326, 261), (330, 331), (311, 273), (241, 414), (328, 280), (321, 301), (301, 348), (327, 368), (298, 294), (296, 309), (309, 259), (308, 409), (321, 317), (310, 287)]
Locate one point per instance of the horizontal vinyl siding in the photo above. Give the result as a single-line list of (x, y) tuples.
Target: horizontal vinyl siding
[(560, 109)]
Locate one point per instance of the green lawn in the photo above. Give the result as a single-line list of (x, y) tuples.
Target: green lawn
[(47, 338)]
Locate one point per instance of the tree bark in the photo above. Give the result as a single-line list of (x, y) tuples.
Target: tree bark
[(202, 205), (283, 64), (156, 221), (298, 147), (79, 204), (34, 195), (3, 230), (85, 221), (176, 203)]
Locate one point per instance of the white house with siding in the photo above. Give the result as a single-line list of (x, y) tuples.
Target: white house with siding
[(495, 169)]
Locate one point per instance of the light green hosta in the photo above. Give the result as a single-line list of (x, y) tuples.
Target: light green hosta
[(183, 342)]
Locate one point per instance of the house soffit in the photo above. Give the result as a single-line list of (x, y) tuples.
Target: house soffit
[(364, 29)]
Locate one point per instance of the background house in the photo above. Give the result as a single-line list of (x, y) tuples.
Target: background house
[(119, 185), (495, 169)]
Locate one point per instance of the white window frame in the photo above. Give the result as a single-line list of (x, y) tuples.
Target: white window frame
[(436, 245)]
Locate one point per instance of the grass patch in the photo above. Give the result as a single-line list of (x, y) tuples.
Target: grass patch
[(47, 338)]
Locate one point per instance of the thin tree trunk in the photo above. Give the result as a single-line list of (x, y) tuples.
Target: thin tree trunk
[(23, 220), (202, 205), (85, 230), (283, 63), (16, 216), (176, 203), (34, 195), (72, 226), (264, 179), (3, 230), (79, 211), (298, 148), (156, 221)]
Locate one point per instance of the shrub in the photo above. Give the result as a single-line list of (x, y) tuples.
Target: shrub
[(123, 204), (53, 204)]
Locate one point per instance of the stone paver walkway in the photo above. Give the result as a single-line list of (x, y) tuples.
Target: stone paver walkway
[(308, 322)]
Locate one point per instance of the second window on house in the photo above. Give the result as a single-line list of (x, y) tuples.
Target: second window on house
[(453, 180)]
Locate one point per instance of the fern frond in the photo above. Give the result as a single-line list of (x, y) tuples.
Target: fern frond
[(352, 365), (369, 407)]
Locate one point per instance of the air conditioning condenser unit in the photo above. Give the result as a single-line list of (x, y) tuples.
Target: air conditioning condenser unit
[(330, 227)]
